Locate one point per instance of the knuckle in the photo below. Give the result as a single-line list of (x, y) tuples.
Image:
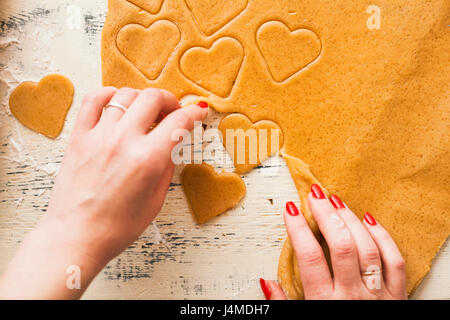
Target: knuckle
[(399, 264), (151, 91), (371, 255), (154, 94), (94, 95), (344, 249), (181, 119), (90, 97), (311, 257), (303, 228), (125, 91), (168, 94)]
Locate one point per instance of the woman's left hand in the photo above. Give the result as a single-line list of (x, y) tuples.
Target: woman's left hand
[(366, 263)]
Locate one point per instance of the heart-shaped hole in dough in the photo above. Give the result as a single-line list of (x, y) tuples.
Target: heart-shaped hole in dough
[(287, 52), (214, 69), (149, 49)]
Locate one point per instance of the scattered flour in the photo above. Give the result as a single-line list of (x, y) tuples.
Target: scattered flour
[(19, 202), (40, 193), (35, 38), (158, 236)]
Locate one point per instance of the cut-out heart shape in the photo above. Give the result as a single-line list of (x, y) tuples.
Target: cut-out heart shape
[(152, 6), (287, 52), (209, 193), (216, 68), (212, 15), (149, 49), (43, 106), (249, 143)]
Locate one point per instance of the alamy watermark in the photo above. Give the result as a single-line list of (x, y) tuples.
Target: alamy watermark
[(246, 147), (73, 281), (374, 20)]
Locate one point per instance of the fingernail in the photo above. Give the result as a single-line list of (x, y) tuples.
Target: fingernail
[(203, 104), (291, 209), (317, 192), (369, 219), (265, 288), (336, 202)]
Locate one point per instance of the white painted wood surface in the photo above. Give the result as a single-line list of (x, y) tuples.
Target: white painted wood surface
[(223, 259)]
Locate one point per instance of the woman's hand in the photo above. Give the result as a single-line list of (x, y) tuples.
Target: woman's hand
[(112, 184), (365, 260), (116, 173)]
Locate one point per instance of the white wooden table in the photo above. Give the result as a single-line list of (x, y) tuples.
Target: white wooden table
[(174, 258)]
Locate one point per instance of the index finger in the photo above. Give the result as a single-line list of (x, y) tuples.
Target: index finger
[(313, 267), (92, 107), (147, 107), (166, 135), (343, 252)]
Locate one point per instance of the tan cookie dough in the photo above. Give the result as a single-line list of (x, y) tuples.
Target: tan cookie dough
[(209, 193), (251, 143), (152, 6), (288, 272), (367, 109), (43, 106)]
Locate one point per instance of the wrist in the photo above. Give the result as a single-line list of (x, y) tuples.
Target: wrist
[(48, 266), (69, 240)]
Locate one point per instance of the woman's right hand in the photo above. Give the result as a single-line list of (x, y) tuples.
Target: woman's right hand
[(366, 263), (112, 183)]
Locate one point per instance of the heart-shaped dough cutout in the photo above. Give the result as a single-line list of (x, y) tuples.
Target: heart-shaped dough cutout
[(209, 193), (149, 49), (43, 106), (212, 15), (152, 6), (249, 144), (216, 68), (286, 52)]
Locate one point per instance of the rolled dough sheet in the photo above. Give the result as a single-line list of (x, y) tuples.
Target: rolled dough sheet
[(367, 109)]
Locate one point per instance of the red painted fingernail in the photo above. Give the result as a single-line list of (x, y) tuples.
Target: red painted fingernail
[(336, 202), (203, 104), (369, 219), (291, 208), (317, 192), (265, 288)]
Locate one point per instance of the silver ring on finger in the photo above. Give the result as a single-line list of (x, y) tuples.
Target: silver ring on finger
[(117, 105), (372, 273), (373, 278)]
